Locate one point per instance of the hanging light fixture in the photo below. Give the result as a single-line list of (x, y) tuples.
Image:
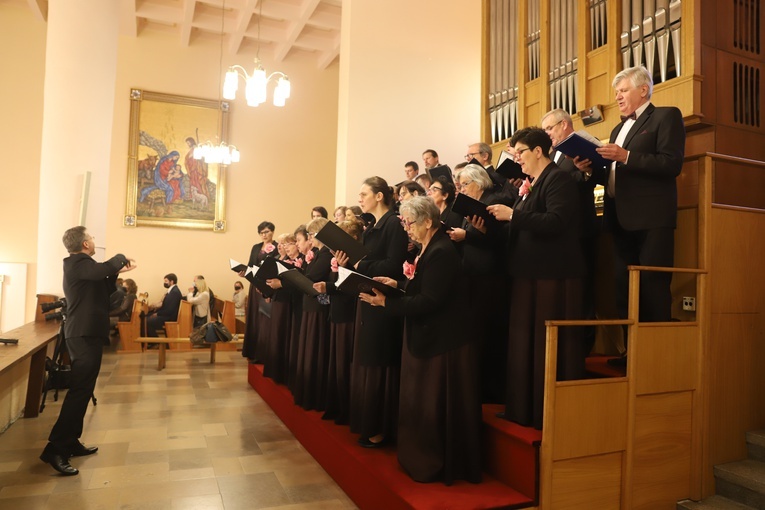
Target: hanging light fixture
[(221, 153), (255, 84)]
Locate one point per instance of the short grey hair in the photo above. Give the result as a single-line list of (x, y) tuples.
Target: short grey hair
[(485, 148), (73, 239), (559, 115), (421, 209), (478, 175), (638, 76), (316, 224)]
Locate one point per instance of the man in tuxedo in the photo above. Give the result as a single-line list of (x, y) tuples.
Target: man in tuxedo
[(87, 287), (558, 125), (167, 309), (640, 204)]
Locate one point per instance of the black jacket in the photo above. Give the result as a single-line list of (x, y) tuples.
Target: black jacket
[(434, 302), (87, 287)]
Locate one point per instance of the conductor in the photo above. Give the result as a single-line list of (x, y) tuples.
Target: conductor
[(87, 287)]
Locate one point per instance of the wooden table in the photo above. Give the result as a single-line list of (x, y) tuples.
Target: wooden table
[(34, 338)]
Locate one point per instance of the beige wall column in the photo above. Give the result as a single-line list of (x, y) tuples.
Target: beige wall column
[(410, 80), (80, 74)]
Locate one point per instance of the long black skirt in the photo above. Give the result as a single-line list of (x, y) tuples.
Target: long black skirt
[(532, 302), (374, 399), (439, 431), (313, 360), (264, 330), (251, 324), (339, 373), (276, 360)]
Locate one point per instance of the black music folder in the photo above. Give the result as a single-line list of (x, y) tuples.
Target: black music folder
[(507, 167), (467, 207), (338, 239), (440, 170), (298, 280), (237, 266), (355, 283), (583, 144)]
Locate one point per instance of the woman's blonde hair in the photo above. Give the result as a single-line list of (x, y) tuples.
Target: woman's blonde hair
[(201, 283)]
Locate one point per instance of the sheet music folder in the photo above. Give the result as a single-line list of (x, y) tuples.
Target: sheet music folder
[(298, 280), (467, 207), (583, 146), (338, 239), (355, 283)]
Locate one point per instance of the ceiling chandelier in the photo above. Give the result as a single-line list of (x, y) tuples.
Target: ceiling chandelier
[(222, 153), (255, 89)]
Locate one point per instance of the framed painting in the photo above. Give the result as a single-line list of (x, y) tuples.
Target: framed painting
[(166, 186)]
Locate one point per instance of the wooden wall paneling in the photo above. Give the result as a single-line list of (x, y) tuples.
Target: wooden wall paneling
[(523, 70), (725, 88), (535, 94), (666, 357), (544, 61), (590, 417), (737, 246), (587, 483), (597, 81), (662, 450), (740, 185), (677, 92), (582, 45), (688, 187)]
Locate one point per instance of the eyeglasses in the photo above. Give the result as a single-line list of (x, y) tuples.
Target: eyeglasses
[(518, 153), (471, 155), (434, 188), (406, 223), (464, 184), (550, 128)]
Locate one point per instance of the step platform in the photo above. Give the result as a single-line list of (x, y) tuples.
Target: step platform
[(372, 478)]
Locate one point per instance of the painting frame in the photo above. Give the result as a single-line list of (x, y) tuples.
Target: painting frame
[(163, 128)]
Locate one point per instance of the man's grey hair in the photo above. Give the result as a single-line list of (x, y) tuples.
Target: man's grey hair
[(559, 115), (478, 175), (420, 209), (485, 148), (73, 239), (638, 76)]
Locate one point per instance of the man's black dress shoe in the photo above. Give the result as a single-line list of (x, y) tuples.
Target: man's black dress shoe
[(80, 450), (58, 462)]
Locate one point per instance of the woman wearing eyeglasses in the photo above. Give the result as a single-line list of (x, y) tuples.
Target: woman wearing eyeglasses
[(482, 248), (443, 192), (266, 248), (377, 346), (546, 267), (440, 410)]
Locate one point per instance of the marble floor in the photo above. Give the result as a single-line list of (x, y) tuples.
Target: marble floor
[(193, 436)]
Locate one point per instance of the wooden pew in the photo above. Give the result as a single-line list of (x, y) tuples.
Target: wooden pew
[(164, 342), (224, 311), (180, 330), (130, 330)]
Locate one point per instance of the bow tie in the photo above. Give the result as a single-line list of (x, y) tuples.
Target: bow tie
[(630, 116)]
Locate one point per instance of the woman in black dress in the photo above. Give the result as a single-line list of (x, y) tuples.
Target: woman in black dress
[(546, 266), (443, 192), (440, 411), (310, 389), (377, 343), (259, 252)]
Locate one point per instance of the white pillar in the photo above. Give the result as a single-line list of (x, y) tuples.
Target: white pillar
[(410, 80), (80, 76)]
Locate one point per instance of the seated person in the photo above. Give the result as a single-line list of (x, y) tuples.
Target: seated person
[(125, 309), (239, 299), (167, 309), (199, 296)]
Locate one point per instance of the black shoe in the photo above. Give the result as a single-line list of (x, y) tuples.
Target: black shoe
[(620, 362), (80, 450), (58, 462), (364, 442)]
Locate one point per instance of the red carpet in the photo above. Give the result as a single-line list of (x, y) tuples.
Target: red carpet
[(373, 479)]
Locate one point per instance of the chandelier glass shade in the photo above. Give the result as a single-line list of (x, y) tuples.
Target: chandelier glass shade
[(256, 85), (222, 154)]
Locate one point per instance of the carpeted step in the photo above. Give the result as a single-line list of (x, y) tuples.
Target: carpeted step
[(372, 478), (511, 452), (712, 503), (755, 445), (742, 481)]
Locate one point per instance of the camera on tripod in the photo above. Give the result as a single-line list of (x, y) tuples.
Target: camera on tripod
[(47, 307)]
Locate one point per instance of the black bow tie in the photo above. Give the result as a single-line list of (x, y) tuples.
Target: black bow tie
[(630, 116)]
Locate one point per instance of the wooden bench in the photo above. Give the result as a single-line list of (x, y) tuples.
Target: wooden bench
[(131, 329), (224, 311), (35, 340), (164, 342)]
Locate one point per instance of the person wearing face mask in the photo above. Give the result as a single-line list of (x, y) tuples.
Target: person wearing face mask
[(239, 299), (167, 309), (199, 296)]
